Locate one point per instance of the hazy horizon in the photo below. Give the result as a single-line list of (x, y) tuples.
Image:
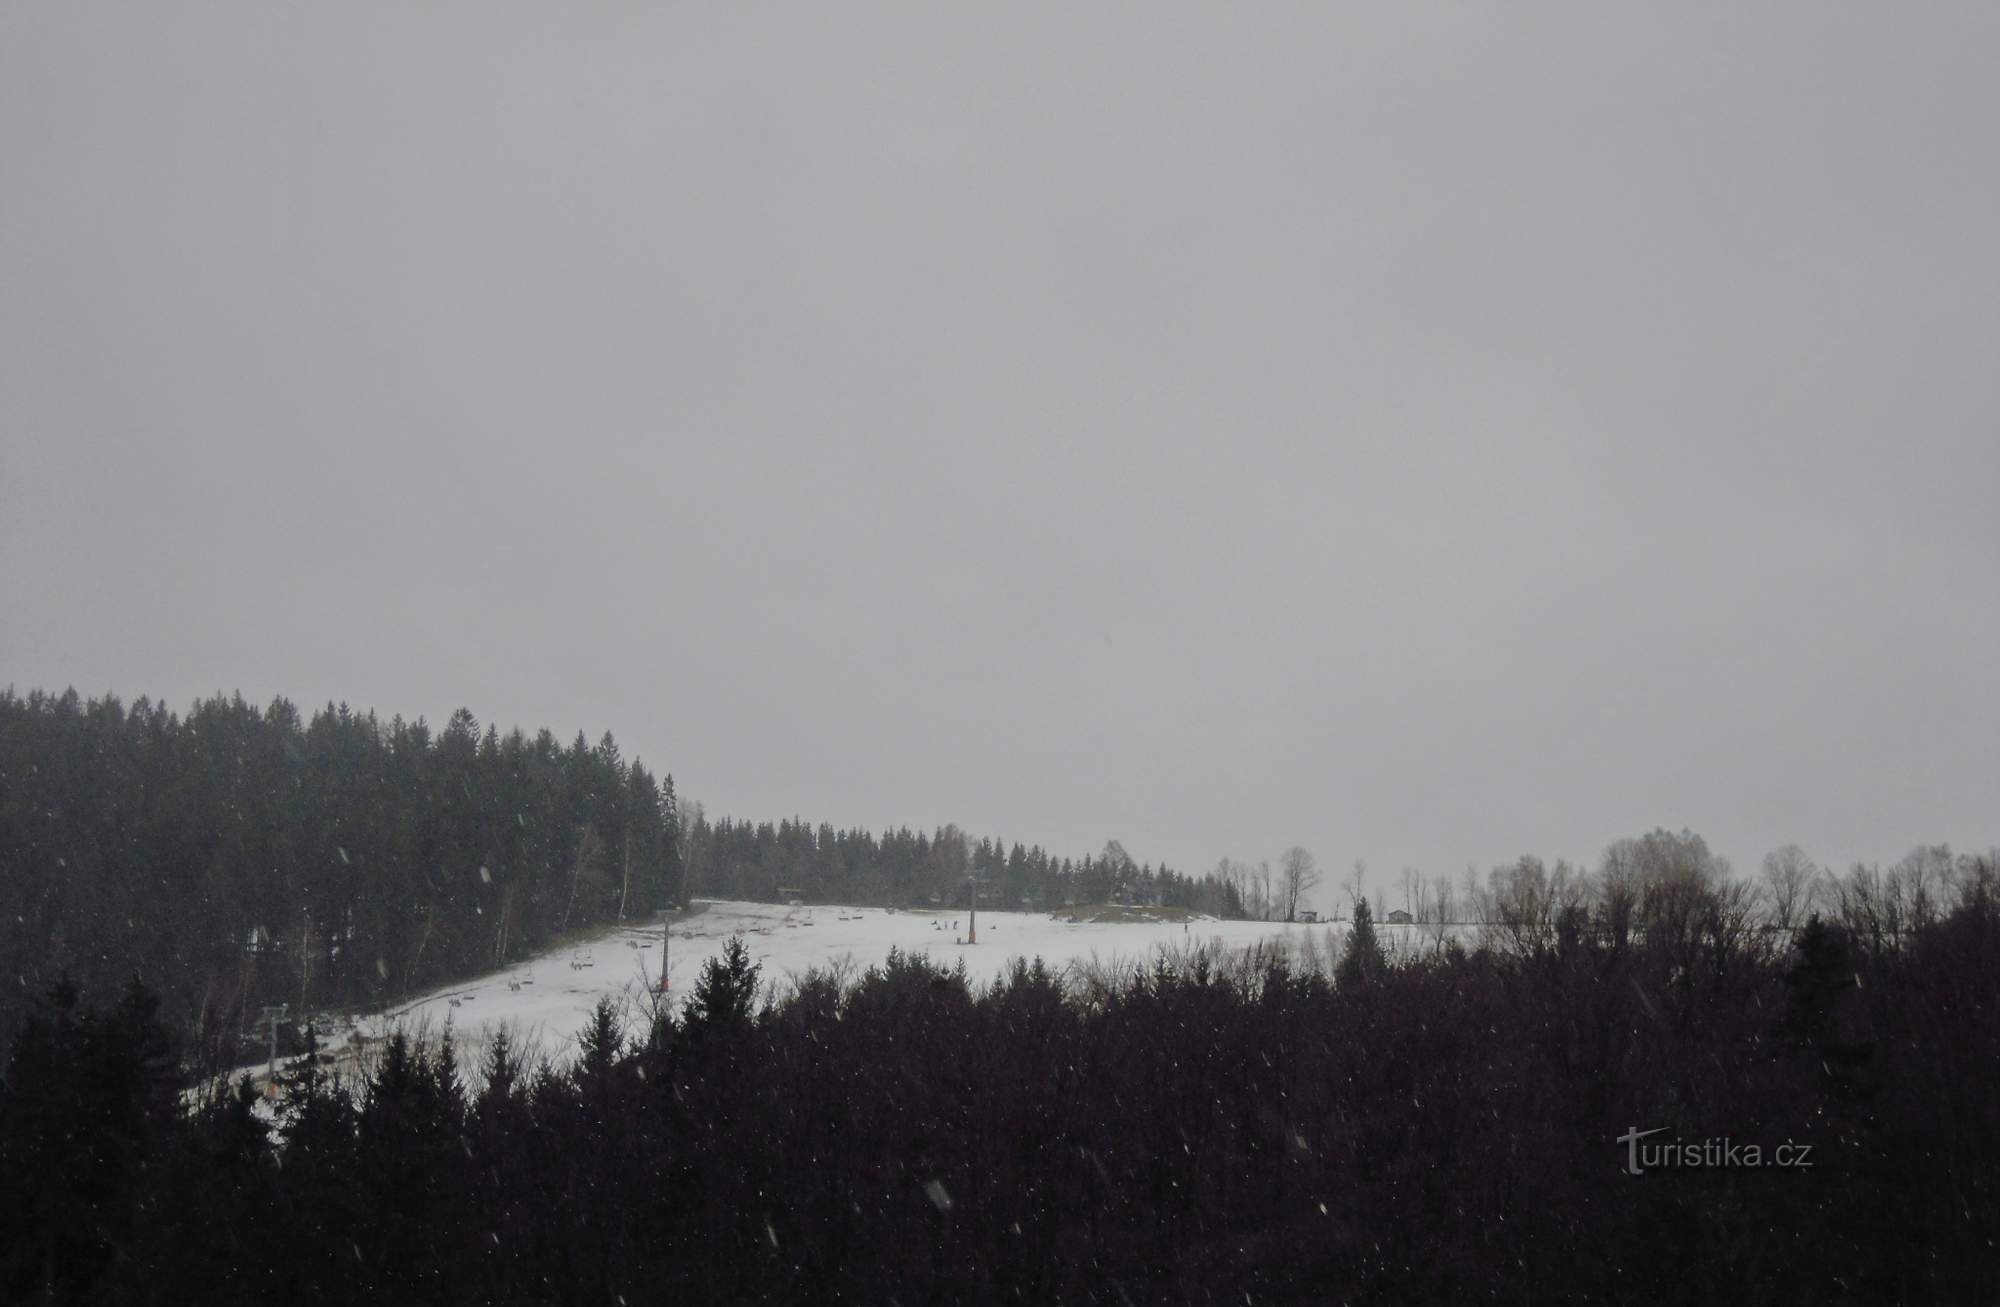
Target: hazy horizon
[(1425, 436)]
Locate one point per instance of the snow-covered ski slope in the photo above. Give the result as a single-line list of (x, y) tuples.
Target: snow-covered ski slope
[(544, 1001)]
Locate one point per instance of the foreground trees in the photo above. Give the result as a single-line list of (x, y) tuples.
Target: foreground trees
[(1208, 1128)]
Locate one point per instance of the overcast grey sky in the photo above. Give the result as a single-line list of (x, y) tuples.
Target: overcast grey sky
[(1428, 434)]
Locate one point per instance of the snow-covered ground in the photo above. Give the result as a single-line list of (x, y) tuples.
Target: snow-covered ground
[(544, 1001)]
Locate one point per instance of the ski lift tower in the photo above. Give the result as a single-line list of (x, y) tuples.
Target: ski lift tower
[(270, 1017), (972, 885)]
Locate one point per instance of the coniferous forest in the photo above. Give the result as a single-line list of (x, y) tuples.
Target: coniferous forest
[(238, 857), (763, 860), (1435, 1128)]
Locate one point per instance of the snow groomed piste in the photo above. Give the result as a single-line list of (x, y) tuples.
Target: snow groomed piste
[(543, 1002)]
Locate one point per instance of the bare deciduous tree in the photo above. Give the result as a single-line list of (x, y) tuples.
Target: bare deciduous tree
[(625, 885), (1926, 876), (503, 925), (1449, 910), (1298, 876), (694, 842), (588, 847), (1525, 907), (1618, 885), (1791, 883)]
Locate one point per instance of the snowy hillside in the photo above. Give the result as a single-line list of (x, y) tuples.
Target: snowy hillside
[(543, 1002)]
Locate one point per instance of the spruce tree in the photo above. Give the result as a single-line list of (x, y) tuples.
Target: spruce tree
[(1362, 960), (724, 996)]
